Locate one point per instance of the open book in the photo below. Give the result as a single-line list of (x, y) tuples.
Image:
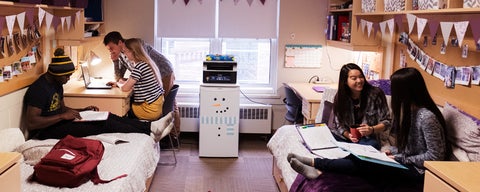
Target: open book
[(93, 116), (320, 141)]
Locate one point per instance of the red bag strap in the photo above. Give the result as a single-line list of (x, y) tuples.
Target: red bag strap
[(96, 178)]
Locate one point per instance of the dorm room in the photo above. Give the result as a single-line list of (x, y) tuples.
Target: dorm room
[(371, 40)]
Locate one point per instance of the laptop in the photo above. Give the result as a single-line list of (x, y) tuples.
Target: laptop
[(89, 84)]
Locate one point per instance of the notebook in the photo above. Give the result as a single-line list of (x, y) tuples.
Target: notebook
[(91, 84)]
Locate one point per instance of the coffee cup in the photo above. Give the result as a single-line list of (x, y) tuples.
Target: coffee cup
[(355, 132)]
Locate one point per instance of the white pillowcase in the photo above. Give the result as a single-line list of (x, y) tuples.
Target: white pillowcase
[(463, 131), (10, 139)]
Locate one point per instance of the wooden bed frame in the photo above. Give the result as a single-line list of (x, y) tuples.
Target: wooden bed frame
[(277, 175)]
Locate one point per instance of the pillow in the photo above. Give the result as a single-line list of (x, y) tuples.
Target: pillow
[(10, 139), (383, 84), (327, 116), (463, 131)]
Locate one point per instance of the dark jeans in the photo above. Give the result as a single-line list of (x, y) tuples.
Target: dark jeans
[(372, 172), (114, 124)]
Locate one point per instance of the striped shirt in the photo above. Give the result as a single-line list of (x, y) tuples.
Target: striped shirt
[(147, 88)]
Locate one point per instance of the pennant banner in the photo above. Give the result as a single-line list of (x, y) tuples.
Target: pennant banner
[(411, 21), (421, 23), (461, 29), (10, 22), (475, 25), (446, 28), (41, 14), (21, 21)]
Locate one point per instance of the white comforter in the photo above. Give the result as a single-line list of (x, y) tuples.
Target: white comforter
[(138, 158)]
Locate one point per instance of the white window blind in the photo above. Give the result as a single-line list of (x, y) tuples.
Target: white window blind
[(194, 20), (245, 21)]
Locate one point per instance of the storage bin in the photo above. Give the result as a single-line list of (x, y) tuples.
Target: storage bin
[(432, 4), (471, 3), (394, 5), (368, 6)]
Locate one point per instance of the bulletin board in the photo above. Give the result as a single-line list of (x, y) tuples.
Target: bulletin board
[(303, 56)]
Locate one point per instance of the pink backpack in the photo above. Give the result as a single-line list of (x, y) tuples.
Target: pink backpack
[(71, 162)]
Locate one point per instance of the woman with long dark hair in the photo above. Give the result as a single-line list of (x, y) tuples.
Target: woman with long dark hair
[(419, 130), (359, 103)]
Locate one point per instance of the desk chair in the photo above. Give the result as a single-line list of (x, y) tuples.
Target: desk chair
[(293, 105), (168, 107)]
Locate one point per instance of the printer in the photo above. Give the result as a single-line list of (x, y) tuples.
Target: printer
[(220, 69)]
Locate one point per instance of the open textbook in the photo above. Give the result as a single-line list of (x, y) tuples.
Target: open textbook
[(320, 141), (93, 115)]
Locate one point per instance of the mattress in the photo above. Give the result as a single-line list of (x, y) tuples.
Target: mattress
[(138, 157), (287, 140)]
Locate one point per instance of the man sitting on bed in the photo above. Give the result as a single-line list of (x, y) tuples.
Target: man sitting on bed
[(48, 117)]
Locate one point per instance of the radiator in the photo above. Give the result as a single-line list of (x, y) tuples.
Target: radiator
[(254, 118)]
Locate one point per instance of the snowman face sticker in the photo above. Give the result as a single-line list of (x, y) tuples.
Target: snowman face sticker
[(219, 103)]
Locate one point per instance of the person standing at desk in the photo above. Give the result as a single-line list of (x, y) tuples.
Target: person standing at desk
[(48, 117), (145, 80)]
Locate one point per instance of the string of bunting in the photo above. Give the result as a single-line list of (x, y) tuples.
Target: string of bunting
[(50, 20), (234, 1), (446, 27), (450, 75)]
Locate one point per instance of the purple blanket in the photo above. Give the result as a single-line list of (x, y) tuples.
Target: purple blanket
[(333, 182)]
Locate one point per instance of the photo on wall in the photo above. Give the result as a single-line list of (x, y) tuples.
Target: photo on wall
[(450, 77), (476, 75)]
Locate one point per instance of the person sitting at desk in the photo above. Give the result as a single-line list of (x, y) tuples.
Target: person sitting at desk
[(47, 116), (419, 131), (357, 102), (146, 82)]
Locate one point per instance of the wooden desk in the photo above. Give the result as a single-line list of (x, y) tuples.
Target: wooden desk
[(114, 100), (10, 171), (310, 99), (451, 176)]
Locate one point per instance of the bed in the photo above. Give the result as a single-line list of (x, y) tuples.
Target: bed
[(463, 131), (137, 157)]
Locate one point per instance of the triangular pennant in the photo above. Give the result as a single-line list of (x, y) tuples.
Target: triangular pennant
[(62, 21), (10, 22), (21, 21), (421, 23), (475, 25), (369, 27), (2, 22), (41, 14), (433, 26), (235, 2), (376, 26), (363, 24), (29, 14), (48, 20), (77, 18), (460, 29), (55, 22), (382, 24), (399, 22), (446, 28), (186, 2), (263, 2), (411, 22), (391, 25), (69, 22), (249, 2), (357, 17)]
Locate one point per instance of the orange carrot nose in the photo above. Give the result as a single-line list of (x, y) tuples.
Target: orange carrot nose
[(216, 105)]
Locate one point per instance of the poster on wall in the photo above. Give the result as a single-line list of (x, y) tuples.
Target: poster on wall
[(303, 56)]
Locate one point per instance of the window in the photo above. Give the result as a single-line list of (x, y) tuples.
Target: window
[(252, 43)]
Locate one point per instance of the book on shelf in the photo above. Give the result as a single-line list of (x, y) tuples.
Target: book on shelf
[(93, 116), (320, 141)]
